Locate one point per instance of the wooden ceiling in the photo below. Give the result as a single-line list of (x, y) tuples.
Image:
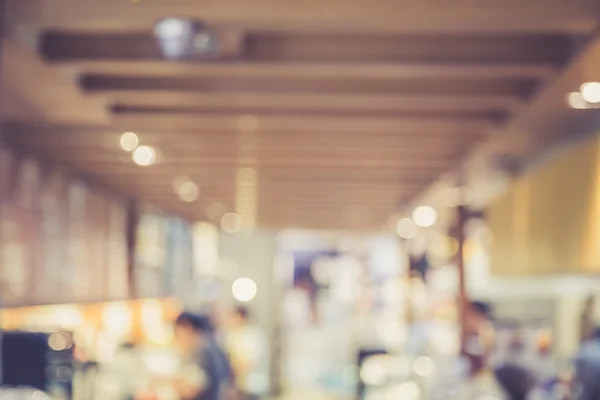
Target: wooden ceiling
[(346, 110)]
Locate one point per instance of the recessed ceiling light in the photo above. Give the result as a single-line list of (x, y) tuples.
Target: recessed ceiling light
[(144, 156), (590, 91), (425, 216), (129, 141)]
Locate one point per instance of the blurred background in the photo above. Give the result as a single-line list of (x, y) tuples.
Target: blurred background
[(361, 199)]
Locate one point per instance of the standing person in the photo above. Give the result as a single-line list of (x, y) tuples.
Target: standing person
[(200, 374), (225, 369), (587, 373), (247, 346)]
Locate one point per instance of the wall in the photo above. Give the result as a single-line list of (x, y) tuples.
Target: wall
[(548, 222)]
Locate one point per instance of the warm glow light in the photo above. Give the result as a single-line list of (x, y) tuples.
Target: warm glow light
[(375, 370), (406, 228), (406, 391), (129, 141), (231, 223), (423, 366), (590, 91), (244, 289), (425, 216), (576, 101), (58, 342), (186, 189), (144, 156)]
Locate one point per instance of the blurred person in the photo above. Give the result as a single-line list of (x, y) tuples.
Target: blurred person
[(225, 370), (200, 370), (586, 322), (516, 381), (587, 369), (248, 352)]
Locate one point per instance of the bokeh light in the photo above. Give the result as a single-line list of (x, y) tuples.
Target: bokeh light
[(590, 91), (406, 228), (231, 223), (144, 156), (129, 141), (425, 216), (244, 289)]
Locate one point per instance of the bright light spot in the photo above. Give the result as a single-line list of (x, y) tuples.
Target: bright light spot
[(444, 246), (590, 91), (405, 391), (406, 228), (144, 156), (171, 28), (575, 100), (425, 216), (58, 342), (186, 189), (423, 366), (375, 370), (231, 223), (129, 141), (244, 289)]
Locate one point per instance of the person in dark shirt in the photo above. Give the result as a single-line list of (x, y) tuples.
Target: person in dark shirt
[(225, 368), (201, 374)]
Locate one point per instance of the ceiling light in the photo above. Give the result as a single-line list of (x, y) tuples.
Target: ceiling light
[(129, 141), (181, 38), (188, 191), (144, 156), (425, 216), (244, 289), (590, 91), (406, 228), (576, 101), (185, 188), (231, 223)]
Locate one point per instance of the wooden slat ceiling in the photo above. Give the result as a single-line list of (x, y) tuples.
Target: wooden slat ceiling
[(345, 120)]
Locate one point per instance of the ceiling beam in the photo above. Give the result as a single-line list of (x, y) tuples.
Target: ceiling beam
[(415, 161), (519, 87), (186, 150), (314, 15), (233, 122), (252, 103), (318, 70), (293, 136), (549, 50)]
